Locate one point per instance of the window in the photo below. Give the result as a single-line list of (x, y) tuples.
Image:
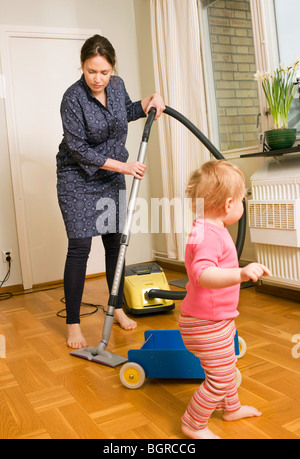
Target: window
[(245, 36), (230, 34)]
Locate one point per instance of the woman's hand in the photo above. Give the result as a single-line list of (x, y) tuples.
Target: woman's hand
[(155, 100), (136, 168)]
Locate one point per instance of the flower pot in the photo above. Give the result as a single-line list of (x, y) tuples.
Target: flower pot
[(279, 139)]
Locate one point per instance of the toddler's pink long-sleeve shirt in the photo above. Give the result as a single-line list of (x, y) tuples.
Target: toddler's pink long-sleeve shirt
[(209, 245)]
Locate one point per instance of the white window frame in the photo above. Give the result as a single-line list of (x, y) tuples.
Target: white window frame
[(212, 114), (266, 48)]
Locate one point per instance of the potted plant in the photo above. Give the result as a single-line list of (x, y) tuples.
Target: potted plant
[(279, 88)]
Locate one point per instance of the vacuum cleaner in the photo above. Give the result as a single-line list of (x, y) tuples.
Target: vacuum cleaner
[(141, 278), (99, 354)]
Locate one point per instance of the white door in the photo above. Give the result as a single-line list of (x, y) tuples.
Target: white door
[(38, 66)]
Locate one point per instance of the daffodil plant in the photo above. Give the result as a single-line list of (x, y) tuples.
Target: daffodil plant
[(279, 88)]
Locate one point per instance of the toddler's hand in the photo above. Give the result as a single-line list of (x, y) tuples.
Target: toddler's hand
[(254, 271)]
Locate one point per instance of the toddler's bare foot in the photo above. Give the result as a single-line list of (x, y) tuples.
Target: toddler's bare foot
[(75, 338), (244, 412), (124, 321), (205, 434)]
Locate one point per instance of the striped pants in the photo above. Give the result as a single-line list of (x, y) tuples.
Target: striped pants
[(213, 343)]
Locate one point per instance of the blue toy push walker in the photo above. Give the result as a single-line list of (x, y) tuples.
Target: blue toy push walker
[(164, 355)]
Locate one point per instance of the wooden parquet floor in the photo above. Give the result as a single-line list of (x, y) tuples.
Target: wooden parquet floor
[(45, 393)]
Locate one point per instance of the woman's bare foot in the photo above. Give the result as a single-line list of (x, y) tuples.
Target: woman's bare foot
[(124, 321), (205, 434), (244, 412), (75, 338)]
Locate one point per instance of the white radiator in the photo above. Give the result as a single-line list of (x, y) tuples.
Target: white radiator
[(274, 219)]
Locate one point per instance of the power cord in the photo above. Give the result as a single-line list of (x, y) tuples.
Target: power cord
[(6, 296), (85, 305)]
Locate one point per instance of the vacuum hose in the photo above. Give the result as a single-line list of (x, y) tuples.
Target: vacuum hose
[(175, 295), (164, 294), (215, 152), (187, 123)]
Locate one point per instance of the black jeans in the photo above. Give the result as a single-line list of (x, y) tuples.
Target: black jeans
[(75, 271)]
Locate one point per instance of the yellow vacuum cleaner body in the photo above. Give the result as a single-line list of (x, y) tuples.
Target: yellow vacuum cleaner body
[(139, 279)]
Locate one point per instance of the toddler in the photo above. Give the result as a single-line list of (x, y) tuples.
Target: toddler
[(208, 311)]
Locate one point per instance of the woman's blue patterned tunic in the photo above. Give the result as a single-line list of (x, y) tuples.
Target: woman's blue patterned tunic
[(89, 196)]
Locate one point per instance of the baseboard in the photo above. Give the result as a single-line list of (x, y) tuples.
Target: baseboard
[(12, 289), (19, 289), (179, 267), (278, 291)]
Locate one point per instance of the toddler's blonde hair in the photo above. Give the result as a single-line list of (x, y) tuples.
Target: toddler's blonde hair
[(215, 181)]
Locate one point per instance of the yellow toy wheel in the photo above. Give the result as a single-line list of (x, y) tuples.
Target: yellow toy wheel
[(242, 348), (238, 378), (132, 375)]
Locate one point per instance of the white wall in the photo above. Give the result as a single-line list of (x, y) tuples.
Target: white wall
[(115, 19), (8, 232)]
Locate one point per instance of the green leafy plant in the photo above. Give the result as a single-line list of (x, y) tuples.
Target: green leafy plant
[(279, 88)]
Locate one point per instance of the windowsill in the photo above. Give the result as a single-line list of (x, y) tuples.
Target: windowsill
[(237, 153), (256, 151), (269, 153)]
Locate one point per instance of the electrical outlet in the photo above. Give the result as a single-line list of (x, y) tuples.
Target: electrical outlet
[(5, 254)]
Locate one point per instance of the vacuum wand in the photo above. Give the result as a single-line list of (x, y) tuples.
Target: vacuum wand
[(218, 155), (99, 353)]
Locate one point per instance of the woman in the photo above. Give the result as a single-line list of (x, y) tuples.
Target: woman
[(91, 164)]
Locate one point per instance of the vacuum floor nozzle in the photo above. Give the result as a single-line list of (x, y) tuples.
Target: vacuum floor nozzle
[(105, 357)]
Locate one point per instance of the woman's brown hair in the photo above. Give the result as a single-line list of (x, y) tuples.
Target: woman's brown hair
[(98, 46)]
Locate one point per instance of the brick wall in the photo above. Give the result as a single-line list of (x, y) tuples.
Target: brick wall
[(234, 66)]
